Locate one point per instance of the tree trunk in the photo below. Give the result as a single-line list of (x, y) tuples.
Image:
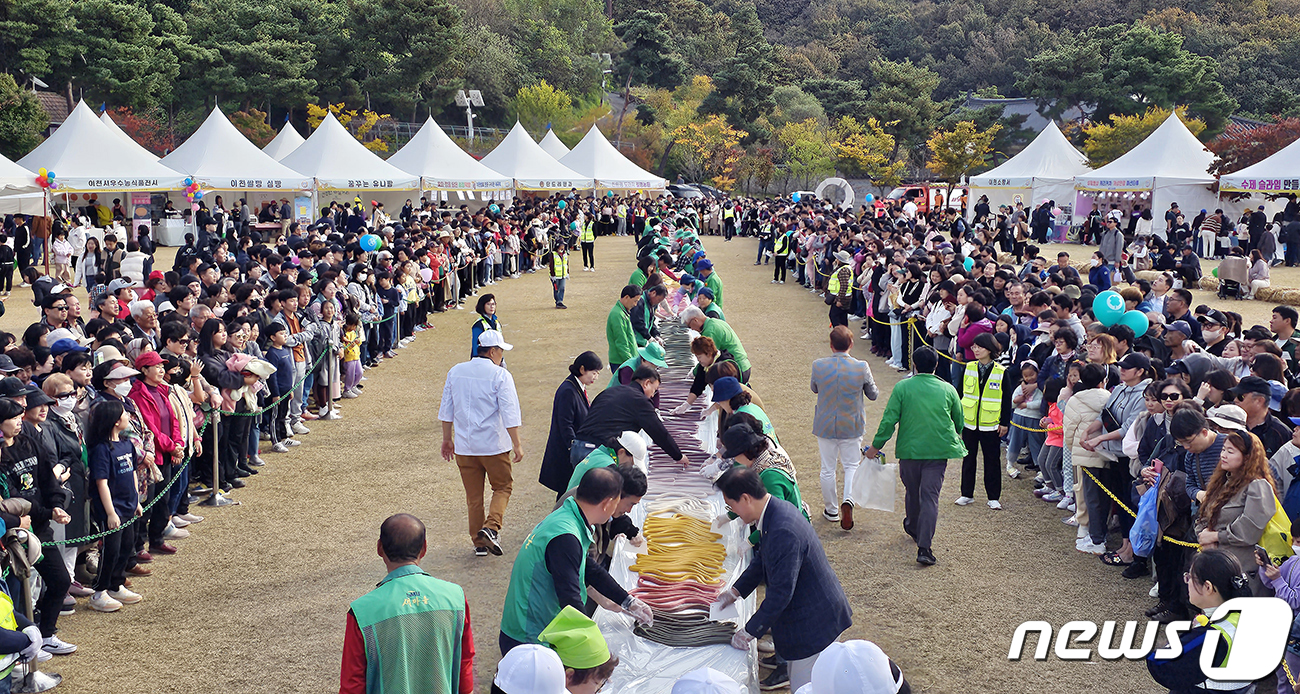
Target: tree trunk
[(663, 160), (627, 99), (67, 95)]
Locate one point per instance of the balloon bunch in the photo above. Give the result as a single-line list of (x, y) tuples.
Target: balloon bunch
[(1108, 308), (494, 208), (45, 179), (193, 191), (371, 243)]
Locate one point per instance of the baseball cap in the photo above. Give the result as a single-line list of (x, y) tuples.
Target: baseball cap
[(494, 338), (634, 443), (737, 439), (1181, 326), (66, 334), (118, 284), (7, 364), (11, 387), (706, 680), (1135, 360), (726, 388), (576, 639), (530, 669), (109, 353), (1214, 316), (653, 352), (1228, 417), (854, 667), (64, 346), (1252, 384)]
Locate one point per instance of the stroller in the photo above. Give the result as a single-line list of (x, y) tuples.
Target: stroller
[(1233, 274)]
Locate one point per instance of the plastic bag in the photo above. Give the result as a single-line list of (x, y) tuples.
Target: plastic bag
[(874, 484), (1146, 528)]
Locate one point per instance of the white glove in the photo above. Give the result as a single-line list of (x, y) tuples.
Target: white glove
[(713, 470), (681, 409), (33, 633), (637, 541), (639, 611), (741, 640), (727, 598), (721, 520)]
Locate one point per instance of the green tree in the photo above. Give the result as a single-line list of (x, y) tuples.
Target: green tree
[(540, 104), (743, 88), (38, 38), (120, 60), (404, 45), (902, 100), (21, 119), (794, 105), (807, 151), (960, 152), (257, 50), (838, 97), (1107, 142), (489, 63), (554, 38), (651, 56)]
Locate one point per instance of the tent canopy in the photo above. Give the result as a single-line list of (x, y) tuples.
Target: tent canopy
[(339, 162), (594, 156), (285, 142), (1170, 155), (1279, 173), (16, 179), (522, 159), (1050, 157), (442, 165), (551, 145), (87, 157), (219, 157), (112, 125)]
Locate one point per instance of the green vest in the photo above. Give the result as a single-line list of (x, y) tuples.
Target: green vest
[(603, 456), (559, 265), (412, 624), (757, 413), (715, 283), (531, 603), (638, 278), (588, 234), (982, 408), (632, 363), (714, 312)]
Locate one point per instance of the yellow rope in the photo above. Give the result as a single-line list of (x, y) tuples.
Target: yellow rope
[(1127, 510)]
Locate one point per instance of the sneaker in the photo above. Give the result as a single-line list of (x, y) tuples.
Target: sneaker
[(1072, 507), (995, 504), (964, 501), (125, 596), (480, 551), (349, 394), (846, 515), (1065, 502), (69, 606), (77, 590), (280, 448), (490, 536), (832, 516), (256, 460), (1053, 497), (1139, 568), (1155, 590), (43, 655), (1072, 521), (58, 646), (300, 428), (778, 679), (331, 416), (291, 442), (1089, 547), (172, 532), (1013, 472), (179, 522), (192, 518)]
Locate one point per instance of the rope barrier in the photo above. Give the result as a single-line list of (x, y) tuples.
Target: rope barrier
[(1181, 543)]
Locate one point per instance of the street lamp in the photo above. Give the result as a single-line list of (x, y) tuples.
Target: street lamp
[(468, 102), (605, 62)]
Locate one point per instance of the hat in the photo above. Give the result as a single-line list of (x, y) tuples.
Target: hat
[(1043, 327), (1252, 384), (1214, 316), (7, 364), (1228, 417), (1135, 360), (1072, 291), (38, 398), (704, 264), (705, 292), (853, 667), (576, 639), (1181, 326), (687, 278), (653, 352), (632, 442), (843, 256), (11, 387), (706, 680), (120, 372), (10, 409), (737, 439), (109, 353), (63, 346), (66, 334), (726, 388), (150, 358), (530, 669), (118, 284), (1178, 367), (494, 338)]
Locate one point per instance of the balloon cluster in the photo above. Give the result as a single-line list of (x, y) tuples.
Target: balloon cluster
[(193, 191), (371, 243), (45, 179), (1108, 307), (494, 208)]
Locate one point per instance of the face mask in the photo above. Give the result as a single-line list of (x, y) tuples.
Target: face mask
[(1095, 262), (123, 389), (65, 405), (1212, 334)]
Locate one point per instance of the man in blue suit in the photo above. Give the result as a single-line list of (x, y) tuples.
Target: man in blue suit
[(805, 606)]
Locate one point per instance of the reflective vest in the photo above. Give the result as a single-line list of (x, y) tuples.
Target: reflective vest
[(559, 265), (982, 408), (622, 211), (782, 247), (8, 621), (728, 212), (833, 284), (588, 234), (531, 602), (412, 624)]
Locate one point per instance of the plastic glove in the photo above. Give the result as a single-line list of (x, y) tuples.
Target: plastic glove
[(741, 640), (680, 409), (33, 634), (639, 611), (727, 598), (637, 541), (721, 520)]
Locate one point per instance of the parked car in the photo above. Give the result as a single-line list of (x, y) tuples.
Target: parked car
[(684, 191), (710, 191)]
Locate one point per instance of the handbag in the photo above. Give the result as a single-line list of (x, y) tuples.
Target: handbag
[(1146, 527), (874, 484), (1277, 535)]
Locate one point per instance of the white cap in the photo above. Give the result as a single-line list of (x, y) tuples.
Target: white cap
[(852, 667), (530, 669), (706, 680), (494, 338), (632, 441), (64, 333)]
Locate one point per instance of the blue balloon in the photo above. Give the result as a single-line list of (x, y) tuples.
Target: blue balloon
[(968, 263), (1136, 320), (794, 197), (561, 204), (1108, 307), (869, 198), (370, 243), (494, 208)]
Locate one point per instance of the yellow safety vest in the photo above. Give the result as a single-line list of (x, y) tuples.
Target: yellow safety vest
[(622, 211), (833, 285), (1227, 628), (559, 265), (7, 621), (588, 234), (728, 212), (982, 409)]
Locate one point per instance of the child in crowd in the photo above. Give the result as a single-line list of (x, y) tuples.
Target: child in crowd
[(390, 299), (114, 500), (1028, 402), (1051, 454), (351, 355), (62, 257), (281, 357)]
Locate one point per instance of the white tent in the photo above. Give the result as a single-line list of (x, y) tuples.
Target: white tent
[(594, 156), (1279, 173), (218, 157), (552, 145), (285, 142), (1044, 169), (338, 161), (16, 179), (1170, 165), (87, 157), (522, 159), (442, 165), (117, 130)]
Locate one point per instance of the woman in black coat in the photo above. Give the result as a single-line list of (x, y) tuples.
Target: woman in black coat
[(567, 414)]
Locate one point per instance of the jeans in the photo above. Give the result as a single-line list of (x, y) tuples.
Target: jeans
[(848, 453), (763, 246), (579, 451), (588, 254), (557, 288), (922, 483), (1018, 439)]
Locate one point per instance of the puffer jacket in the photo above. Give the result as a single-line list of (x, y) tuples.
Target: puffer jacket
[(1081, 411)]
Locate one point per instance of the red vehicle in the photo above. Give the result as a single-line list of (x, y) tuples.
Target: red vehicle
[(926, 197)]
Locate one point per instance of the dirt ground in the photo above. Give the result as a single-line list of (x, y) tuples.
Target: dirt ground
[(255, 599)]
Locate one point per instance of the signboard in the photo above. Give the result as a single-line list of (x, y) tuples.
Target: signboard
[(302, 209), (1261, 185), (140, 213)]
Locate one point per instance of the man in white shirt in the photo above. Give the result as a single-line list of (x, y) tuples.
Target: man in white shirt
[(480, 404), (909, 209)]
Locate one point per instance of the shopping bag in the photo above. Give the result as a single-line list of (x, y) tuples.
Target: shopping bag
[(1146, 527), (1277, 536), (874, 484)]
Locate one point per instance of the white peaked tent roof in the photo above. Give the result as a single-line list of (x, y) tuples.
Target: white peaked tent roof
[(86, 156), (551, 145), (112, 125), (522, 159), (16, 179), (442, 165), (1170, 155), (339, 162), (285, 142), (1279, 173), (1050, 157), (218, 157), (594, 156)]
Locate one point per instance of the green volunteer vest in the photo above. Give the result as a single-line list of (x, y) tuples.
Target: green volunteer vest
[(638, 278), (412, 624), (530, 600), (632, 363), (982, 409), (588, 234), (604, 456), (715, 283), (714, 312), (757, 413)]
